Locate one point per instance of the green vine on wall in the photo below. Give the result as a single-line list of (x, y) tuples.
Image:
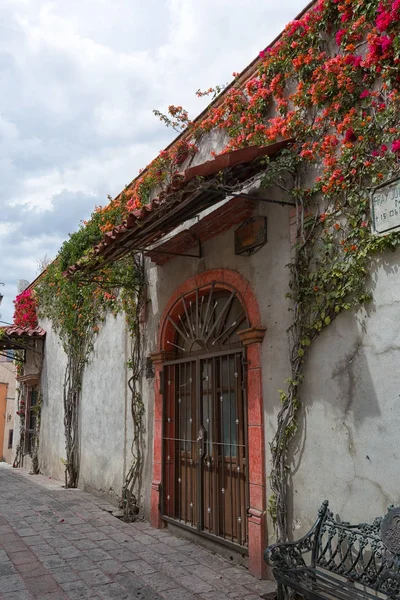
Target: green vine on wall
[(76, 309)]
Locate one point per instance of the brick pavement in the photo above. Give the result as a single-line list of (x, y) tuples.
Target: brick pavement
[(63, 544)]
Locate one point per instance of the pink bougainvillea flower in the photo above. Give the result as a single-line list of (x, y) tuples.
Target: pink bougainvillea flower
[(25, 309), (385, 43), (396, 146), (354, 60), (262, 54), (364, 94), (381, 151), (383, 20), (339, 36)]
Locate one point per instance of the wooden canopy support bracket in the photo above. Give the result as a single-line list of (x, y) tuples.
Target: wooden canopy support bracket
[(258, 198), (157, 251)]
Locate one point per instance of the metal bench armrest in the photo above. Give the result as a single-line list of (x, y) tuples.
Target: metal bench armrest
[(289, 555)]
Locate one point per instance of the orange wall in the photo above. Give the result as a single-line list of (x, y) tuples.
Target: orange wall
[(3, 402)]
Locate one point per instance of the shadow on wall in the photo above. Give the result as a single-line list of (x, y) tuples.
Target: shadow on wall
[(340, 400)]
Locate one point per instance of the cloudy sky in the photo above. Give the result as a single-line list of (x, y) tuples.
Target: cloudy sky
[(79, 80)]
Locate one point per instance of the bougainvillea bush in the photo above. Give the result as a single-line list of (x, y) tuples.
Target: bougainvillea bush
[(25, 309), (331, 81)]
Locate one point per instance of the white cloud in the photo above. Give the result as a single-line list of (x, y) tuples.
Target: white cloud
[(80, 80)]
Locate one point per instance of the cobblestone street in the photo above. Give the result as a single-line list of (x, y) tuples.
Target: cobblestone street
[(59, 544)]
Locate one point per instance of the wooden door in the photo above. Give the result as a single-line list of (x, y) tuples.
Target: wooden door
[(224, 463), (180, 461), (204, 446)]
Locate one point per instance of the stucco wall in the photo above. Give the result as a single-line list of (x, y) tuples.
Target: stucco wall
[(51, 445), (351, 422), (33, 358), (105, 420), (103, 435)]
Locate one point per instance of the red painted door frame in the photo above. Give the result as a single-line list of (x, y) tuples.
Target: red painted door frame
[(251, 338)]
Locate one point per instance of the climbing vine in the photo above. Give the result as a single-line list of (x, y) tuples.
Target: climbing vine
[(133, 477), (19, 453), (76, 309)]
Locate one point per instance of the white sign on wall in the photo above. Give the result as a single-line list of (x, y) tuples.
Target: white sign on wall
[(385, 208)]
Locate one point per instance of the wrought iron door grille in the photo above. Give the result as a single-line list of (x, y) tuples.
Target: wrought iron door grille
[(204, 446)]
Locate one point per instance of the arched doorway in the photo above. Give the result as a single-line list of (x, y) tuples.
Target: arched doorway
[(208, 451), (204, 478)]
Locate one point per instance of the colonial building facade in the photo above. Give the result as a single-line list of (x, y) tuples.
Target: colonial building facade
[(217, 323)]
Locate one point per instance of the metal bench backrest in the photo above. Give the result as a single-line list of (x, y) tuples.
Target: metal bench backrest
[(366, 554)]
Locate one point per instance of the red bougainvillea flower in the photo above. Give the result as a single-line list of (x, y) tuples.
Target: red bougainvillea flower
[(364, 94), (350, 136)]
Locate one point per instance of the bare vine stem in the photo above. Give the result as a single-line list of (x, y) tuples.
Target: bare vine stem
[(133, 476)]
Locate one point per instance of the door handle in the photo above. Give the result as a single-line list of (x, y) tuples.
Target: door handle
[(201, 441)]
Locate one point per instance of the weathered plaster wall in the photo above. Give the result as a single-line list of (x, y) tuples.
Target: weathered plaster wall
[(51, 445), (105, 421), (147, 474), (33, 358), (351, 421), (103, 436)]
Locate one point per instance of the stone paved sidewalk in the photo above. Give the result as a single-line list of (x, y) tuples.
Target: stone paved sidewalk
[(62, 544)]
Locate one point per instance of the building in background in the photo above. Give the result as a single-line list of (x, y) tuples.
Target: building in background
[(7, 405)]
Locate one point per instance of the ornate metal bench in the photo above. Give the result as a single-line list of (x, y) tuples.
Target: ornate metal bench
[(341, 561)]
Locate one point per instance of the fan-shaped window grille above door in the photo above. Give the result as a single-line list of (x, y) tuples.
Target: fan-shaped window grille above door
[(205, 430), (207, 322)]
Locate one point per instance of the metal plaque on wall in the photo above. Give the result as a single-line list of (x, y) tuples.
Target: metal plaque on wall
[(251, 235), (385, 208)]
